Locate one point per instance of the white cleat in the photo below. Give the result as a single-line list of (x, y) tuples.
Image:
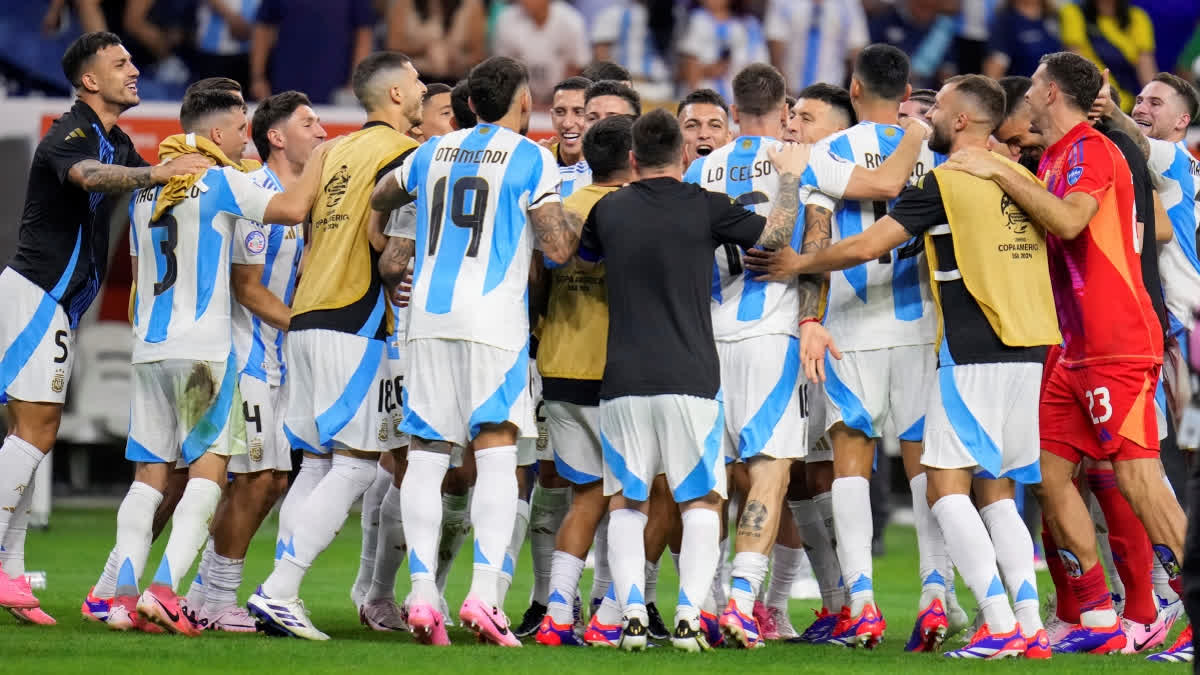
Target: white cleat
[(232, 619), (783, 624), (283, 617)]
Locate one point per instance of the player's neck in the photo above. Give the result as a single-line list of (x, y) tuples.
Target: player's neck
[(759, 127), (878, 111), (1172, 137), (1062, 121), (511, 120), (616, 180), (107, 112), (964, 141), (394, 119), (660, 172), (285, 171), (568, 159)]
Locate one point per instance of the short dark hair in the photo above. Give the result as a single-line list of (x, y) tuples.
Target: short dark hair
[(883, 71), (1191, 100), (925, 97), (493, 85), (576, 83), (758, 89), (708, 96), (464, 117), (434, 89), (271, 111), (1015, 88), (614, 88), (606, 70), (987, 94), (790, 100), (366, 71), (203, 103), (606, 146), (213, 83), (837, 97), (1077, 77), (75, 59), (657, 140)]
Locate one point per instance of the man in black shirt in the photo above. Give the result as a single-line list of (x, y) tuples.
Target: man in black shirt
[(83, 161), (660, 407)]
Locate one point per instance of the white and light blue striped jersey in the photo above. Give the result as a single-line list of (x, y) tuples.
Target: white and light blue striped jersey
[(183, 308), (886, 302), (817, 38), (1176, 175), (626, 28), (212, 30), (741, 38), (258, 345), (474, 188), (574, 177), (743, 307)]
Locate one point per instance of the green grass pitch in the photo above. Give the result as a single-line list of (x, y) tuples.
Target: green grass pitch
[(74, 549)]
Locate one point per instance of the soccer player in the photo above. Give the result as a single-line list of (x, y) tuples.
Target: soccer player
[(569, 121), (1097, 397), (607, 70), (336, 354), (52, 279), (981, 420), (704, 117), (571, 361), (464, 117), (266, 262), (756, 326), (185, 394), (918, 104), (436, 112), (881, 315), (484, 195), (609, 97), (658, 412)]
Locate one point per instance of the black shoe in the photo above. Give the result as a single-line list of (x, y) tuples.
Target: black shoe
[(633, 636), (531, 621), (657, 628)]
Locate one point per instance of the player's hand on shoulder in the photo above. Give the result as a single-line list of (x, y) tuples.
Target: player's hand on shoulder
[(778, 265), (790, 157), (979, 162), (183, 165), (815, 340)]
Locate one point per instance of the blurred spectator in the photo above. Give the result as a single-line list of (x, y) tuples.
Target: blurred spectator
[(312, 46), (444, 38), (91, 16), (1173, 21), (151, 30), (975, 20), (918, 29), (223, 29), (607, 70), (1020, 34), (622, 34), (720, 39), (548, 36), (814, 40), (1188, 65), (1112, 35)]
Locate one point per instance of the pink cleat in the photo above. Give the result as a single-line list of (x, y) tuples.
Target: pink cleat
[(766, 621), (95, 609), (489, 623), (159, 605), (122, 615), (14, 594), (33, 615), (427, 624)]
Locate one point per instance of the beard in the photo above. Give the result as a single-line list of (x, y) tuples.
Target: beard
[(940, 141)]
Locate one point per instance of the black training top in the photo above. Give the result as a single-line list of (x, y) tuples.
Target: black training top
[(657, 238), (63, 241)]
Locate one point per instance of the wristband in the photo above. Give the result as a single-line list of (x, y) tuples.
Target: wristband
[(809, 320)]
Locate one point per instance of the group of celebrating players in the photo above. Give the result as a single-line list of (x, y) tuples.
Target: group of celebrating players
[(686, 313)]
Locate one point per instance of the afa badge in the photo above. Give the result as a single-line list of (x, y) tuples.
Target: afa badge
[(59, 381), (256, 242), (1074, 174)]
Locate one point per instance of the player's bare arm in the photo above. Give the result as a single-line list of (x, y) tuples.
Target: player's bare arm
[(783, 263), (883, 236), (393, 264), (791, 161), (249, 291), (1163, 232), (376, 222), (1104, 108), (557, 231), (95, 176), (888, 179), (1064, 218), (292, 207), (388, 195)]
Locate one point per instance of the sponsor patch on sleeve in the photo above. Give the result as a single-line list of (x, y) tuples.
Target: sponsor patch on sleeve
[(1074, 174), (256, 242)]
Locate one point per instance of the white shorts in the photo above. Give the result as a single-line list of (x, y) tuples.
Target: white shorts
[(761, 381), (456, 386), (864, 387), (575, 435), (397, 367), (341, 393), (37, 345), (985, 416), (182, 409), (531, 450), (267, 449), (643, 436), (820, 448)]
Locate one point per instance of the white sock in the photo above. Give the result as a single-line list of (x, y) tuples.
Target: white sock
[(699, 555), (18, 460), (785, 562), (627, 559), (371, 501), (312, 470), (547, 508), (135, 525), (196, 594), (674, 560), (852, 526), (390, 549), (322, 515), (108, 578), (421, 513), (224, 578), (12, 548), (455, 527), (819, 546), (601, 572), (749, 571), (1014, 557), (931, 547), (651, 574), (494, 515), (1162, 583), (515, 543), (565, 571), (718, 592), (189, 530), (972, 552), (609, 610)]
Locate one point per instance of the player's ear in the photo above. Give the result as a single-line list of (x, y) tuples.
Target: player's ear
[(88, 82), (734, 113), (276, 138), (907, 92)]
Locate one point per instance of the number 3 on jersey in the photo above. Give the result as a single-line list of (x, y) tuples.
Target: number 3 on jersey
[(463, 213)]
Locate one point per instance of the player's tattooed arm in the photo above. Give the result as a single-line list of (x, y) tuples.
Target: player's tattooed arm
[(393, 264), (95, 176), (818, 234), (782, 219), (557, 231), (389, 195)]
